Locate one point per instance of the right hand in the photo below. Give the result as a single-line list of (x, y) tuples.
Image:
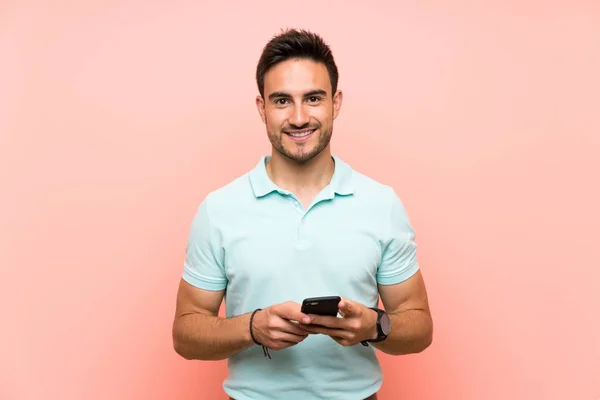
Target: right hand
[(274, 329)]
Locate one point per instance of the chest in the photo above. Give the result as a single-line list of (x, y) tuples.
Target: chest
[(326, 249)]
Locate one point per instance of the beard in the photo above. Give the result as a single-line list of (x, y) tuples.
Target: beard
[(303, 152)]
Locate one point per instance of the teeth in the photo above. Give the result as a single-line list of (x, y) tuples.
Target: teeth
[(301, 134)]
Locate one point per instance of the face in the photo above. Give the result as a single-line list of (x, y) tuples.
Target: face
[(298, 108)]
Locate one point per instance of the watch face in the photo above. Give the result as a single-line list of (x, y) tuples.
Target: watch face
[(385, 324)]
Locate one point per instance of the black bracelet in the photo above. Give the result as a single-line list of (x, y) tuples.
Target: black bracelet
[(265, 350)]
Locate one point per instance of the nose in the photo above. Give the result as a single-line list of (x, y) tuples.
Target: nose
[(299, 117)]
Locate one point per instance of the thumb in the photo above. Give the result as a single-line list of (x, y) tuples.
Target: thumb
[(347, 308)]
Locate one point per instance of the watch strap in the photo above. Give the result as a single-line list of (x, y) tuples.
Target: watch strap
[(380, 336)]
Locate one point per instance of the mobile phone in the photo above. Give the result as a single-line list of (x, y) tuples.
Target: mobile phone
[(326, 305)]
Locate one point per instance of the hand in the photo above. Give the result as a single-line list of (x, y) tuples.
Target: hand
[(358, 323), (274, 329)]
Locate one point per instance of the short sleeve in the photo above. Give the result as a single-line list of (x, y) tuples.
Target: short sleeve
[(399, 257), (203, 265)]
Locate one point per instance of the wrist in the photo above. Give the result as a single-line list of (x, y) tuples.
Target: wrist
[(253, 335), (246, 329), (251, 323), (382, 327), (373, 332)]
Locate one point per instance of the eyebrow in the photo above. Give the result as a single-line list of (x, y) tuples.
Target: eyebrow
[(315, 92)]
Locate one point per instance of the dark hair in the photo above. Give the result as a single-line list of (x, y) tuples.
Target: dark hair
[(292, 44)]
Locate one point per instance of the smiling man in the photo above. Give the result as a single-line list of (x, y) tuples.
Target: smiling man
[(302, 223)]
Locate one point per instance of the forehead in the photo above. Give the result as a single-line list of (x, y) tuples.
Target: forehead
[(297, 76)]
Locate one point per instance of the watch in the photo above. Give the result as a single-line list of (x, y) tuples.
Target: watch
[(383, 327)]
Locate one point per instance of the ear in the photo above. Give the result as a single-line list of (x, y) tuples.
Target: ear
[(260, 105), (337, 103)]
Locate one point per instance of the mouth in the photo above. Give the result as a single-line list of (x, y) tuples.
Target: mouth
[(302, 135)]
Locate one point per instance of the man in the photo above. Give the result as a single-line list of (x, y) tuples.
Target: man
[(300, 224)]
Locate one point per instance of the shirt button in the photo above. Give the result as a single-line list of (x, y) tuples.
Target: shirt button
[(296, 204)]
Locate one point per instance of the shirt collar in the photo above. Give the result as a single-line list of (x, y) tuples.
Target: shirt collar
[(341, 181)]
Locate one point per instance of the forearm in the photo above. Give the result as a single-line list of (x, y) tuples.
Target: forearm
[(205, 337), (411, 332)]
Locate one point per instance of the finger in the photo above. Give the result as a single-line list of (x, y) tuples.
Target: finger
[(291, 312), (347, 308), (290, 327), (344, 342), (335, 333), (327, 321), (281, 345), (314, 329), (288, 337)]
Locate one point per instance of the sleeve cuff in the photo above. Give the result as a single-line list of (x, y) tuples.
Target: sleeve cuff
[(203, 282), (398, 276)]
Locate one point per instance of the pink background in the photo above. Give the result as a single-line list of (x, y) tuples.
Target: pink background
[(117, 117)]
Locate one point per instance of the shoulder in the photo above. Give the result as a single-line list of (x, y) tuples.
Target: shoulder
[(373, 190), (229, 197), (380, 196), (367, 183)]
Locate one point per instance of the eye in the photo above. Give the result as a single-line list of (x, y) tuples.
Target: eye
[(314, 99), (280, 102)]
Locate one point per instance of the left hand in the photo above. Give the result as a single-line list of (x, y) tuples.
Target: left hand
[(358, 323)]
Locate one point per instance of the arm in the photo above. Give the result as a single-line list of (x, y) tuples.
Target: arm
[(411, 323), (402, 290), (198, 333), (407, 306)]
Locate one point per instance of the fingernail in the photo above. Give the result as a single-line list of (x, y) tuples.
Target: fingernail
[(306, 320)]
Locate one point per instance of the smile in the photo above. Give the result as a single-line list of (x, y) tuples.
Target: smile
[(300, 135)]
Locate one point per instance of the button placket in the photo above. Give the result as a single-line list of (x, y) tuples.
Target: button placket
[(299, 208), (302, 240)]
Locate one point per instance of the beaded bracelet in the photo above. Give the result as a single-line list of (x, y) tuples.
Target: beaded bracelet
[(265, 350)]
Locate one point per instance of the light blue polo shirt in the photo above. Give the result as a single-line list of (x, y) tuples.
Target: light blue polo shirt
[(259, 243)]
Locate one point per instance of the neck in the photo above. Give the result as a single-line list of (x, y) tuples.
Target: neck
[(306, 178)]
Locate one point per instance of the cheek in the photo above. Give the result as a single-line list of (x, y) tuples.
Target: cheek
[(275, 121), (324, 116)]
